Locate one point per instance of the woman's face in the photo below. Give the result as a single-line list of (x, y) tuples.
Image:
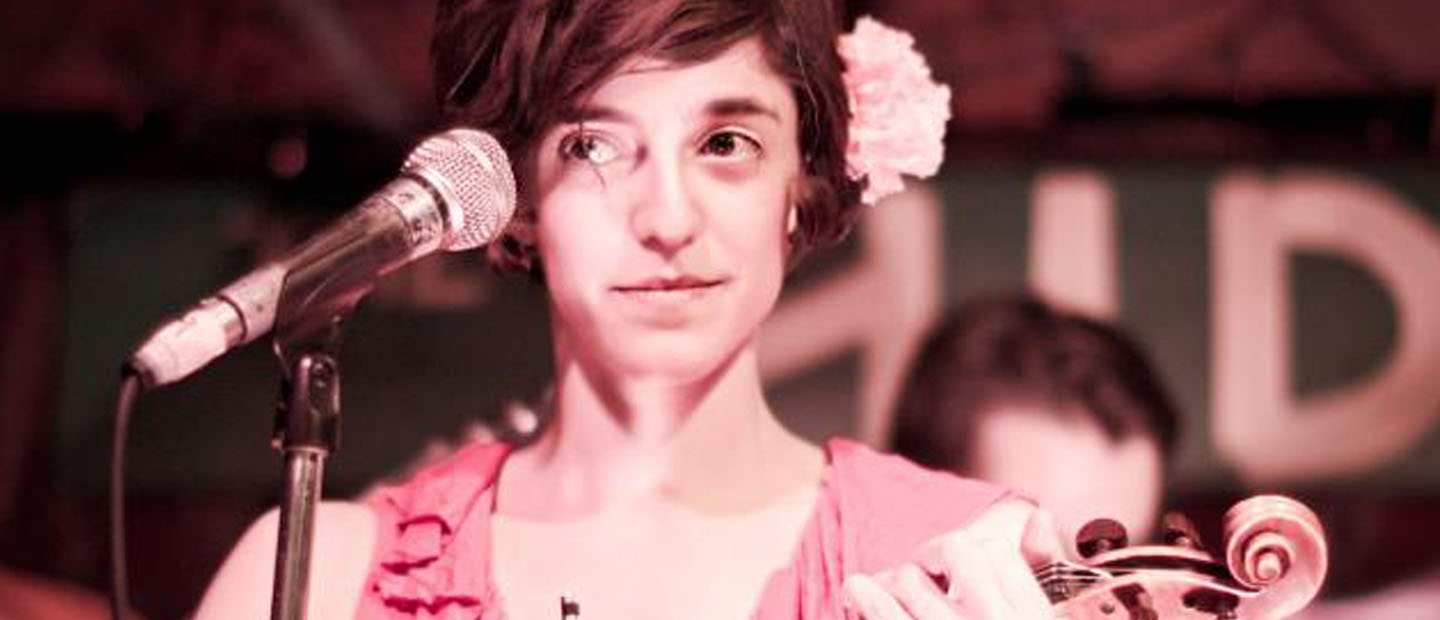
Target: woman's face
[(662, 211)]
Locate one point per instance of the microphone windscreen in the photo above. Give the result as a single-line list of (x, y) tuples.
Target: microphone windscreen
[(470, 171)]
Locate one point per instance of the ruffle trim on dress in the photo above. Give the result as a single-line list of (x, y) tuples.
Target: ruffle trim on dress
[(427, 573)]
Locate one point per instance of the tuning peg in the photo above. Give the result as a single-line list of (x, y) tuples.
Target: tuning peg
[(1099, 536), (1177, 530)]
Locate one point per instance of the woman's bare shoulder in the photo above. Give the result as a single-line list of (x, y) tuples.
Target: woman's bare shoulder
[(343, 545)]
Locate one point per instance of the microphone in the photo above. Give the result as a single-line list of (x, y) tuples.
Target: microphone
[(455, 192)]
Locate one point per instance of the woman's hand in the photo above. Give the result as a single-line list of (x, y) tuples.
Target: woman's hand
[(980, 571)]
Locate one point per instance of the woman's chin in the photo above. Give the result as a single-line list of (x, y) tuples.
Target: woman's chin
[(670, 359)]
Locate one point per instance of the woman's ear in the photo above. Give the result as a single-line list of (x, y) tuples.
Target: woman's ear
[(794, 195), (521, 238), (522, 227), (514, 249)]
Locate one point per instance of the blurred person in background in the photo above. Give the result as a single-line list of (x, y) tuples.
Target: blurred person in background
[(1062, 408)]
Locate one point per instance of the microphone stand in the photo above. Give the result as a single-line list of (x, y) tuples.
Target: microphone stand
[(307, 430)]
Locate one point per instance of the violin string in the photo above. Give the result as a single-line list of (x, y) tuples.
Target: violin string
[(1060, 580)]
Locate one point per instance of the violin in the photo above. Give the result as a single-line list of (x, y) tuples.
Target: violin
[(1275, 559)]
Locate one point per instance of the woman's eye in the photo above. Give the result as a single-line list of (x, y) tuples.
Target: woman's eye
[(730, 145), (588, 148)]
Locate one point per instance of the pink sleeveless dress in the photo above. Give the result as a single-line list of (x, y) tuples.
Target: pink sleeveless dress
[(432, 557)]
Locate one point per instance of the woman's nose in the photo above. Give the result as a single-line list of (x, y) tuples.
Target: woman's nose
[(666, 215)]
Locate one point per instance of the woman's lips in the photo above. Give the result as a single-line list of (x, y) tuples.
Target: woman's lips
[(680, 283), (670, 290)]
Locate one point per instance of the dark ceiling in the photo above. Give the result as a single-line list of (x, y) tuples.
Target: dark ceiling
[(1109, 78)]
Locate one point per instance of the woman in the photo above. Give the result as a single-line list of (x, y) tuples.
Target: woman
[(673, 158)]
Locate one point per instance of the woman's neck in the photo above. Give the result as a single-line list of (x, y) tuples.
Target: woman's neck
[(710, 444)]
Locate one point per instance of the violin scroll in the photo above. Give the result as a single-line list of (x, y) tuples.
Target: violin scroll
[(1276, 544)]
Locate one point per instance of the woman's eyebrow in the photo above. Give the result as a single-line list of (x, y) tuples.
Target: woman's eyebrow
[(740, 106), (723, 107), (590, 112)]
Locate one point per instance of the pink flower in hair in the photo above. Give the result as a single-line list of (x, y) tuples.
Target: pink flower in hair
[(898, 113)]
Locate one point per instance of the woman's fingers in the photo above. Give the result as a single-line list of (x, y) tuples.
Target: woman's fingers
[(989, 563), (906, 592), (1016, 581), (916, 591), (1013, 559), (986, 568), (865, 595), (973, 582), (1040, 543)]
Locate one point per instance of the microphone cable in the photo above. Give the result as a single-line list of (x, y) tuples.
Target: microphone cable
[(119, 583)]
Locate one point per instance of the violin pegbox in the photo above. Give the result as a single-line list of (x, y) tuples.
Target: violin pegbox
[(1275, 561)]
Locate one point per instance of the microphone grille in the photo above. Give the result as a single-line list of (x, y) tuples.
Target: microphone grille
[(470, 171)]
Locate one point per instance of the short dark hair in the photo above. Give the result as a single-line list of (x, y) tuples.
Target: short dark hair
[(1018, 349), (513, 67)]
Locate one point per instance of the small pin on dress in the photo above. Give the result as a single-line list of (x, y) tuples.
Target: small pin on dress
[(569, 609)]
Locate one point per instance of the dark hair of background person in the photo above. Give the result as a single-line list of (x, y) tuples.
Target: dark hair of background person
[(1019, 350), (517, 67)]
